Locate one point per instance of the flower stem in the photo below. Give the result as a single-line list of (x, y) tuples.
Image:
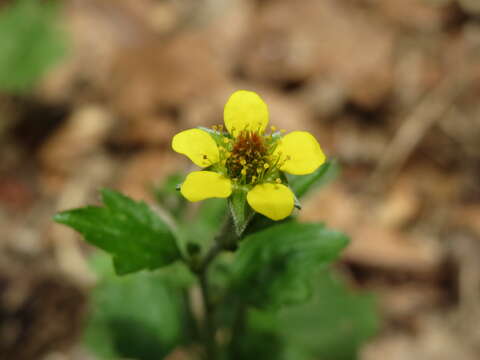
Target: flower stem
[(224, 241), (202, 272), (238, 329), (211, 346), (209, 257)]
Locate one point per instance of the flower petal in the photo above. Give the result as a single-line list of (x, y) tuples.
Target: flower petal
[(300, 153), (197, 145), (275, 201), (245, 110), (201, 185)]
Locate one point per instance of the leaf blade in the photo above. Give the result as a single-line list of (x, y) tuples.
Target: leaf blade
[(134, 235), (272, 266)]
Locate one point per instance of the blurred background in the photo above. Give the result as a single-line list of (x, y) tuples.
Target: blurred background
[(91, 92)]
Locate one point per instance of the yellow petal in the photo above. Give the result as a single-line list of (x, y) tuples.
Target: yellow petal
[(197, 145), (300, 153), (201, 185), (275, 201), (245, 110)]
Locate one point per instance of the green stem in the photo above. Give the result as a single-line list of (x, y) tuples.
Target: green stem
[(192, 324), (238, 329), (224, 241), (202, 272), (211, 346), (209, 257)]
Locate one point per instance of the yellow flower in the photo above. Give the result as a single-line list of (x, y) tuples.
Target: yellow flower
[(245, 158)]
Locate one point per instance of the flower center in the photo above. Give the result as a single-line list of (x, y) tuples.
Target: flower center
[(249, 158)]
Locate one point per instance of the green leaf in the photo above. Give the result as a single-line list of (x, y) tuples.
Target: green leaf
[(341, 319), (273, 267), (30, 43), (133, 234), (265, 345), (260, 222), (333, 325), (141, 316), (301, 185), (241, 212)]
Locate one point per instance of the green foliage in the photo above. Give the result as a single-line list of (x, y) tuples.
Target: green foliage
[(145, 316), (302, 185), (135, 236), (30, 43), (333, 325), (273, 267), (260, 344), (139, 316)]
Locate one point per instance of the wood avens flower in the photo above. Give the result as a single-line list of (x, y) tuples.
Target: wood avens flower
[(243, 157)]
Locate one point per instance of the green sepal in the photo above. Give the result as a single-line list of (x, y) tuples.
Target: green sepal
[(135, 236), (241, 212), (215, 134)]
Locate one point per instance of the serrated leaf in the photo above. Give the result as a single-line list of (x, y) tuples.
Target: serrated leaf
[(303, 184), (241, 212), (31, 43), (273, 267), (134, 235)]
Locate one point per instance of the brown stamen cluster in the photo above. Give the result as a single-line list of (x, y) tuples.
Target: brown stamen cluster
[(248, 161)]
